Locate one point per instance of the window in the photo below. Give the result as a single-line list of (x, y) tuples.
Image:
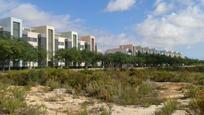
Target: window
[(50, 43), (33, 39), (61, 43), (74, 40), (16, 29), (92, 44)]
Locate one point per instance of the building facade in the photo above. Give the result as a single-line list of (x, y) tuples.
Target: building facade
[(90, 42), (47, 42), (13, 26), (134, 50), (72, 40), (31, 37)]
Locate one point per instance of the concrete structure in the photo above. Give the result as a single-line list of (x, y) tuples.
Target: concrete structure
[(47, 42), (90, 42), (60, 44), (134, 50), (82, 45), (115, 50), (31, 37), (72, 39), (129, 49), (13, 26), (1, 28)]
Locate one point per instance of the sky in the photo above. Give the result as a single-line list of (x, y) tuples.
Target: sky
[(176, 25)]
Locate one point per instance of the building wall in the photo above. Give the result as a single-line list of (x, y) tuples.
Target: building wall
[(91, 40), (31, 37), (7, 24), (82, 45), (60, 42), (71, 39), (47, 41), (129, 48)]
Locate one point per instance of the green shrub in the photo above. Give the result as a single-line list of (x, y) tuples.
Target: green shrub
[(53, 84), (197, 104), (169, 107), (84, 111), (123, 87), (191, 91), (12, 101)]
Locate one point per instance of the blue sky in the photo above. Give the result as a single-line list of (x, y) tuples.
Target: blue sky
[(163, 24)]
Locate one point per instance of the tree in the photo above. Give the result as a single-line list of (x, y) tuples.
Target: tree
[(87, 57), (5, 52), (41, 57)]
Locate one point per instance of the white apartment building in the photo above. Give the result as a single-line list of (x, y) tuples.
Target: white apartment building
[(72, 39), (134, 50), (82, 45), (127, 49), (90, 42), (60, 44), (47, 42), (32, 38), (115, 50), (13, 26), (1, 28)]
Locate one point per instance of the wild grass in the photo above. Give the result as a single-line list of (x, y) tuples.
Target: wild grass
[(197, 103), (169, 107), (12, 101), (125, 87)]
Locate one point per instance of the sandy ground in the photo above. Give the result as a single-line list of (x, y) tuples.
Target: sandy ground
[(60, 102)]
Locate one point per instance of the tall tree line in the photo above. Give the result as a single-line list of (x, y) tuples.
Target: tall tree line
[(15, 50)]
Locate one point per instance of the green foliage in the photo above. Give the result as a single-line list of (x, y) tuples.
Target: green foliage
[(197, 104), (84, 111), (169, 107), (12, 101), (122, 87), (16, 50), (191, 91), (119, 86), (176, 76)]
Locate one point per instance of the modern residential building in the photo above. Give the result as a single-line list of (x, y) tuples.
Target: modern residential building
[(31, 37), (47, 42), (134, 50), (46, 38), (13, 26), (127, 49), (90, 42), (115, 50), (60, 44), (82, 45), (72, 39), (1, 28)]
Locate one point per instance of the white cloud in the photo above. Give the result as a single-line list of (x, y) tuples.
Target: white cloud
[(161, 8), (119, 5), (181, 27), (108, 40)]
